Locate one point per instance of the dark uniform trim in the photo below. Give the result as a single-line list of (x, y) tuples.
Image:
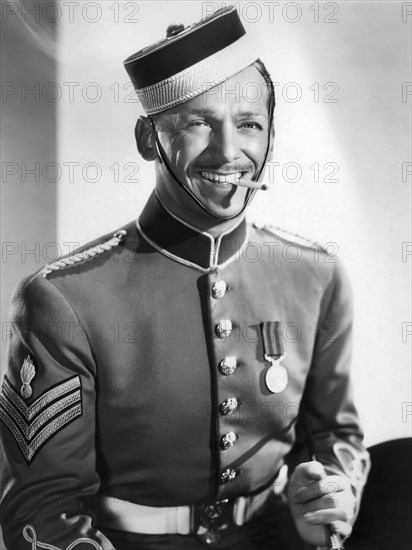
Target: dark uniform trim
[(175, 54), (184, 243)]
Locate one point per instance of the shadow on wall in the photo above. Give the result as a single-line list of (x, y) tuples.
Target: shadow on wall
[(28, 136), (28, 132)]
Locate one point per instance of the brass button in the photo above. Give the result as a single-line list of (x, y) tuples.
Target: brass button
[(228, 475), (228, 365), (228, 440), (121, 234), (224, 328), (219, 289), (229, 406)]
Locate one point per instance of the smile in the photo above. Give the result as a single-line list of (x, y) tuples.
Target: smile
[(219, 177)]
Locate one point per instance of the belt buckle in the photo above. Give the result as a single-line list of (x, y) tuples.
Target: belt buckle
[(213, 518)]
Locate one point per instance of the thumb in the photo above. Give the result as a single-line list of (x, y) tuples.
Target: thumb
[(306, 472)]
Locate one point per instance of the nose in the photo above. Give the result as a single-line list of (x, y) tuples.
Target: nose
[(224, 144)]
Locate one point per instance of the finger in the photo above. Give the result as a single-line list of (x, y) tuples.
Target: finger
[(344, 529), (308, 471), (330, 487), (326, 516), (325, 503)]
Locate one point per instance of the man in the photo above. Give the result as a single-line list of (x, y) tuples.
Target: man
[(153, 391)]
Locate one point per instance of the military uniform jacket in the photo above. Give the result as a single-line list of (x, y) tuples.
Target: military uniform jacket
[(137, 369)]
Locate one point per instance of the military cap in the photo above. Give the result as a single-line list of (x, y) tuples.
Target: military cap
[(190, 60)]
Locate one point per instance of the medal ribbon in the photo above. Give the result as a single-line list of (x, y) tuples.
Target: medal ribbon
[(272, 339)]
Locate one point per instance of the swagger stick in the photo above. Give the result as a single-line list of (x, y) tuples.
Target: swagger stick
[(335, 539)]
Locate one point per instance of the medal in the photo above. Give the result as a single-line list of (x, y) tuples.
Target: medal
[(276, 377)]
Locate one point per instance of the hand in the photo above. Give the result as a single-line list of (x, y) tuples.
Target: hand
[(317, 500)]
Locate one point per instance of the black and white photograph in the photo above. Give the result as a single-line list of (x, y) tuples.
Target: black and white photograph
[(206, 261)]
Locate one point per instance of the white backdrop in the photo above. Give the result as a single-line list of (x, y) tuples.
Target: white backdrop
[(342, 141)]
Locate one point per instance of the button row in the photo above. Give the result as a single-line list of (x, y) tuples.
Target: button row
[(227, 366)]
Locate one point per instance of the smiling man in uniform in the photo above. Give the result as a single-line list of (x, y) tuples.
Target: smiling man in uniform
[(172, 433)]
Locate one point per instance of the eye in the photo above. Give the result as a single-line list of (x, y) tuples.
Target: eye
[(198, 123), (251, 126)]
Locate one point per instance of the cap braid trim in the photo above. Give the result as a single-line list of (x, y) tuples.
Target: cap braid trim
[(199, 78)]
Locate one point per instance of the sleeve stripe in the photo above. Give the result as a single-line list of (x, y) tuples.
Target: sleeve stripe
[(32, 426), (41, 402), (29, 450), (29, 429)]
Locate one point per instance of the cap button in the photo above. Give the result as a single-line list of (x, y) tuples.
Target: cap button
[(173, 29)]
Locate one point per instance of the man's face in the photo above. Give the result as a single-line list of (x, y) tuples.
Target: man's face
[(215, 139)]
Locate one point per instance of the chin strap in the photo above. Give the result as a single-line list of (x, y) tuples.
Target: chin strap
[(250, 192)]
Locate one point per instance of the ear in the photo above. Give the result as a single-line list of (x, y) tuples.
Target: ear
[(145, 138)]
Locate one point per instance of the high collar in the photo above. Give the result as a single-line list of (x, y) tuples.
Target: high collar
[(185, 243)]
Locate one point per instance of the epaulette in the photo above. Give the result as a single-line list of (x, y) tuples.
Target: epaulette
[(287, 235), (70, 260)]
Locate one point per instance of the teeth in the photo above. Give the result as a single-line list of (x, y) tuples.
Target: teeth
[(222, 178)]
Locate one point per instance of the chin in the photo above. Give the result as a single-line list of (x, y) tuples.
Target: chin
[(224, 207), (223, 212)]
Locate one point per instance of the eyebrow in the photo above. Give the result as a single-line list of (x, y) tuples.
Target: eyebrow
[(252, 113), (209, 112)]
